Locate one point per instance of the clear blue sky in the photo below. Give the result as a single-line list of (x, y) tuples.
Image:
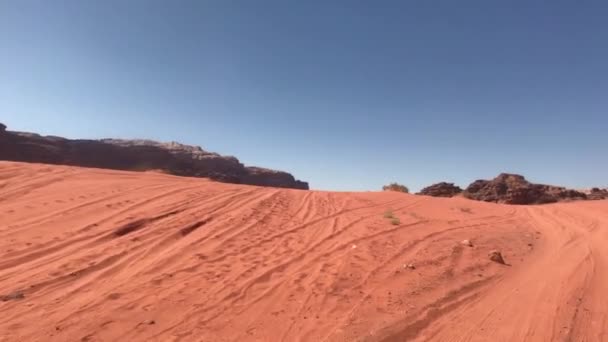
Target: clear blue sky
[(348, 95)]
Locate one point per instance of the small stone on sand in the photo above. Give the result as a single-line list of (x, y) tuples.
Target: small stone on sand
[(467, 243), (496, 256)]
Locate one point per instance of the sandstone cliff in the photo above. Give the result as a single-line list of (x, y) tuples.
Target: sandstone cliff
[(138, 155)]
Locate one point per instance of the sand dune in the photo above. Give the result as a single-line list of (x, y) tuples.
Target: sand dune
[(98, 255)]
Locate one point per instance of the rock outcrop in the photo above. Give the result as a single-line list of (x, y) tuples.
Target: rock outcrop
[(597, 194), (138, 155), (442, 189), (515, 189)]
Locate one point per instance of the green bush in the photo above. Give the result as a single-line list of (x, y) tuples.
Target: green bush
[(396, 187)]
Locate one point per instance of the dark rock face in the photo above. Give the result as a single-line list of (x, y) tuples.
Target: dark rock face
[(442, 189), (262, 176), (515, 189), (138, 155)]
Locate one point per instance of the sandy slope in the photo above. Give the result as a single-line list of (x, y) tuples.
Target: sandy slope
[(101, 255)]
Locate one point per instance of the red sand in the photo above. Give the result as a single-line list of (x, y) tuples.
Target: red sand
[(120, 256)]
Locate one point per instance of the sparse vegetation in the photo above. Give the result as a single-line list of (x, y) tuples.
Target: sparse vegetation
[(391, 216), (396, 187)]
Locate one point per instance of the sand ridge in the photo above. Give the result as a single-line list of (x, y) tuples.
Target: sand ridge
[(103, 255)]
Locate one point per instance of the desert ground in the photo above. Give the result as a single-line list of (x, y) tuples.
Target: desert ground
[(100, 255)]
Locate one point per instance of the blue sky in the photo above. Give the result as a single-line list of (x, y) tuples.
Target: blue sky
[(348, 95)]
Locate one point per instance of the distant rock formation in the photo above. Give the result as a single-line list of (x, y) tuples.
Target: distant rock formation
[(441, 189), (596, 194), (515, 189), (138, 155)]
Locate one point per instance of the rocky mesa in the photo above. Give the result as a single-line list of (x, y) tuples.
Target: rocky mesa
[(138, 155)]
